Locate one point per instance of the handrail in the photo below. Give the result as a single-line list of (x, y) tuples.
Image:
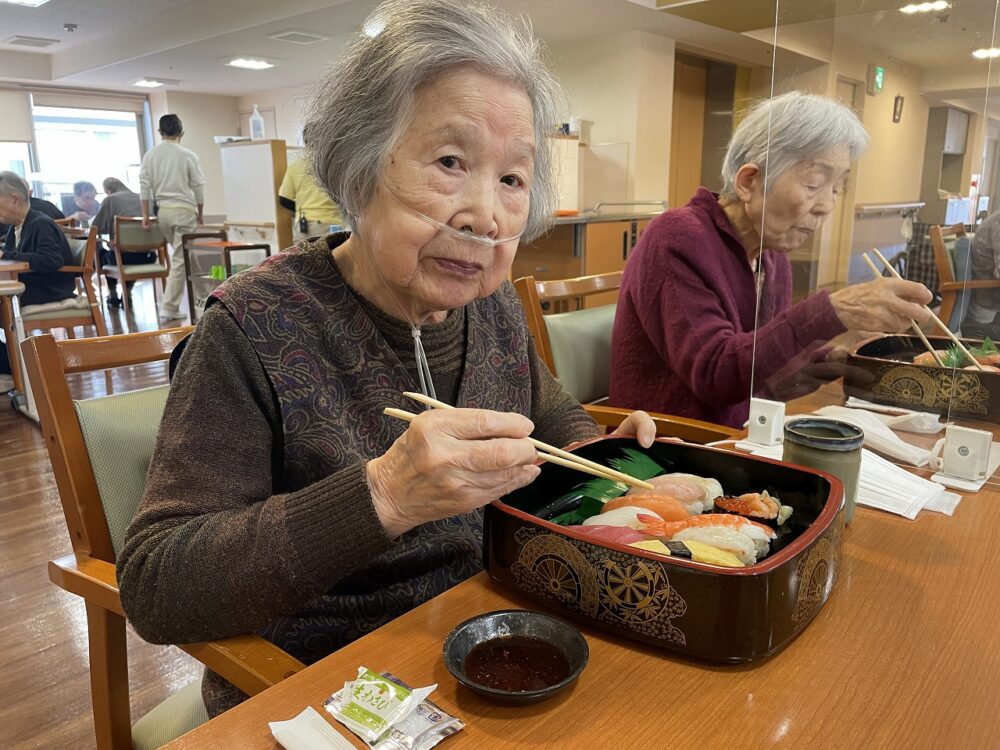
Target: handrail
[(880, 209), (602, 204)]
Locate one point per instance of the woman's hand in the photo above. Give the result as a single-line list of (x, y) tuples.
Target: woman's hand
[(885, 305), (450, 462), (639, 425)]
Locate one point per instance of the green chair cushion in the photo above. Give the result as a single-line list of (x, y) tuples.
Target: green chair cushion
[(78, 248), (180, 713), (137, 269), (120, 433), (581, 350)]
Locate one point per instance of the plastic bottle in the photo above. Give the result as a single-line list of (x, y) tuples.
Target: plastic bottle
[(256, 125), (303, 223)]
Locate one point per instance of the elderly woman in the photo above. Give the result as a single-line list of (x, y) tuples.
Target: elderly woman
[(704, 315), (280, 499)]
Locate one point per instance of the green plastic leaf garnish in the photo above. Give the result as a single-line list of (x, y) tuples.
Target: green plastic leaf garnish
[(591, 507), (636, 464)]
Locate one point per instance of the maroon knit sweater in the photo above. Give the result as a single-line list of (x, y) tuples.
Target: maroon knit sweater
[(683, 338)]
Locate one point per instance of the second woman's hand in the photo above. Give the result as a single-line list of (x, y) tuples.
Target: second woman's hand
[(639, 425), (450, 462)]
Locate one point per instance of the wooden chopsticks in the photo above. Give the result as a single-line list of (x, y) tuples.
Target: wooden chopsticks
[(546, 452), (936, 319), (930, 348)]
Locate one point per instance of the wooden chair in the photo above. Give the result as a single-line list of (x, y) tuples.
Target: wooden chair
[(952, 259), (576, 347), (67, 223), (83, 245), (131, 237), (100, 449)]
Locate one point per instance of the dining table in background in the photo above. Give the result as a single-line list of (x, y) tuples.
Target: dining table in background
[(905, 653)]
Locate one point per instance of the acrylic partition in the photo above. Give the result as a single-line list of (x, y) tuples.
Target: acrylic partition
[(922, 81)]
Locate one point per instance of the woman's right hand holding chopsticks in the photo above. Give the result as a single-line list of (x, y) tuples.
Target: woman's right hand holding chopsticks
[(886, 305), (450, 462)]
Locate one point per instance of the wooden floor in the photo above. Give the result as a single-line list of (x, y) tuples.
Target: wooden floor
[(43, 632)]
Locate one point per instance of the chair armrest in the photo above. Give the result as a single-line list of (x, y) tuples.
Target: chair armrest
[(691, 430), (94, 580), (74, 269), (250, 662), (957, 286)]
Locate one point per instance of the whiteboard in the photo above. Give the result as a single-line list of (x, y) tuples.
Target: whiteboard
[(248, 182)]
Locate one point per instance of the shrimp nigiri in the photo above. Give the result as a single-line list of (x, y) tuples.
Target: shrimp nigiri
[(758, 534)]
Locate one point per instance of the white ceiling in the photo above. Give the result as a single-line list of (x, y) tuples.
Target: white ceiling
[(120, 41)]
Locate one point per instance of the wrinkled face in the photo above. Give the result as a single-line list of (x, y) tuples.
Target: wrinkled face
[(799, 200), (12, 209), (87, 201), (466, 160)]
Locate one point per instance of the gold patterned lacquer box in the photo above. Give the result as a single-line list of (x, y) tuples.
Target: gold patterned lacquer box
[(881, 370), (727, 615)]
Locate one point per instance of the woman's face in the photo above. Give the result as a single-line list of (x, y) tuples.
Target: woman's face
[(799, 200), (466, 160)]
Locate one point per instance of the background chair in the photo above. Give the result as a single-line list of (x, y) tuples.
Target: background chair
[(952, 257), (100, 450), (83, 246), (131, 237), (67, 222), (576, 347)]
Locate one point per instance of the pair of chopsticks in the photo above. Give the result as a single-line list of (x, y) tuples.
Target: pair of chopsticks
[(935, 318), (546, 452)]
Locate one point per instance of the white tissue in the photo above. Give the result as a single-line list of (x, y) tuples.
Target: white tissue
[(308, 731), (878, 436)]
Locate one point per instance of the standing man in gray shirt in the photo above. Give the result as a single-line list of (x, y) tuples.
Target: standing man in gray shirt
[(171, 178), (983, 316)]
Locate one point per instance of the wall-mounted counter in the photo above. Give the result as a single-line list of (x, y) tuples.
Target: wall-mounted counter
[(582, 245)]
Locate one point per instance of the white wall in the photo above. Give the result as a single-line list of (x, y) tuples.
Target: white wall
[(623, 84), (289, 107), (204, 116)]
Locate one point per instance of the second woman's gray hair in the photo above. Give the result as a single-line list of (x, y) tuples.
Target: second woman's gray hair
[(789, 129), (364, 102)]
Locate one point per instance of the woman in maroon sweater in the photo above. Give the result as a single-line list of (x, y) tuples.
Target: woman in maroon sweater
[(693, 336)]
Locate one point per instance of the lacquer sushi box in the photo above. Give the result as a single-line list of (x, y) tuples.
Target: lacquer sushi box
[(881, 370), (726, 615)]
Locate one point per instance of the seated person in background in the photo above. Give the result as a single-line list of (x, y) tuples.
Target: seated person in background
[(433, 135), (85, 200), (982, 319), (37, 204), (33, 237), (693, 336), (120, 202), (313, 212)]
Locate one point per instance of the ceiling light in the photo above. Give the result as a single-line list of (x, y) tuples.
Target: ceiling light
[(982, 54), (29, 3), (148, 83), (250, 63), (924, 7)]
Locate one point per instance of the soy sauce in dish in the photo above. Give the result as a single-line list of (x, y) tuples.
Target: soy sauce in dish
[(516, 664)]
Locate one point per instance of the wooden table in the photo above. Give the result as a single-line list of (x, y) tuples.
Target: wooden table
[(905, 654), (9, 269)]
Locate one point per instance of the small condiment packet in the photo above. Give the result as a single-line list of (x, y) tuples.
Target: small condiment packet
[(421, 730), (308, 731), (373, 704)]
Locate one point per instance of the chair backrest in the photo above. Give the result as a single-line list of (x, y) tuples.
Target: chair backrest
[(575, 345), (82, 245), (131, 236), (100, 448), (67, 222), (952, 258)]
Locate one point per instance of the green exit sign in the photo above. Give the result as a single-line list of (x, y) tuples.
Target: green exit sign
[(876, 79)]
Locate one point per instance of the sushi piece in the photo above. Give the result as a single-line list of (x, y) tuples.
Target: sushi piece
[(694, 492), (691, 550), (616, 534), (757, 506), (666, 507), (926, 358), (627, 515), (726, 539), (758, 535)]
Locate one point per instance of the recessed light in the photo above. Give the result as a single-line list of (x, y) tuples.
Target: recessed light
[(250, 63), (982, 54), (148, 83), (924, 7), (29, 3)]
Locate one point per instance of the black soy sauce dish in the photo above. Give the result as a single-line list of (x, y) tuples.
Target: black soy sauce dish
[(518, 628)]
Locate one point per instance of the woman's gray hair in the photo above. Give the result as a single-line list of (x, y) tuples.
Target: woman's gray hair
[(789, 129), (11, 183), (364, 102)]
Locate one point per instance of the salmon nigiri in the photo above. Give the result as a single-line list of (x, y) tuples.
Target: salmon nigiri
[(666, 507)]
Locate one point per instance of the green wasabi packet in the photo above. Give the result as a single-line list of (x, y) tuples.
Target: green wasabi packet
[(372, 703)]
